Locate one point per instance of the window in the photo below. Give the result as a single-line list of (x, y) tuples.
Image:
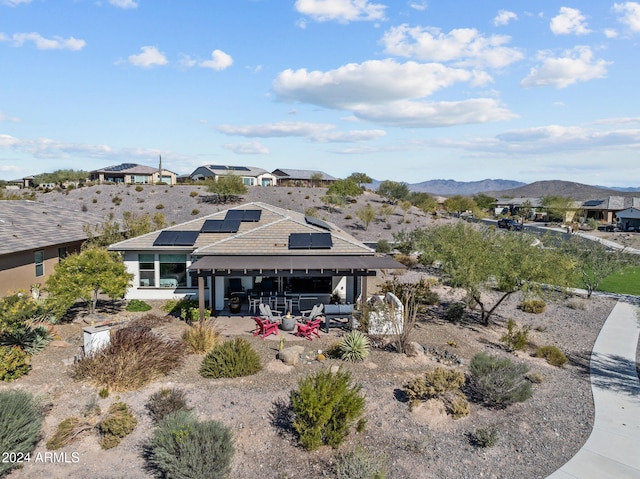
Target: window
[(140, 179), (248, 181), (39, 261), (147, 268), (62, 252), (173, 270)]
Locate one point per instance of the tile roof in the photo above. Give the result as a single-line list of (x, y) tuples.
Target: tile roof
[(269, 236), (129, 169), (301, 174), (221, 170), (29, 225)]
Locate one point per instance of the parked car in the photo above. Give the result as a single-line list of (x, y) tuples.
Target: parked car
[(610, 227), (509, 224)]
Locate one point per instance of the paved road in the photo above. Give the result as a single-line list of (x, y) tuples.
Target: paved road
[(613, 448)]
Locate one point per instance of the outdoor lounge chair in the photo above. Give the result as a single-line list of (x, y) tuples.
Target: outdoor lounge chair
[(307, 332), (312, 313), (270, 314), (315, 324), (264, 327)]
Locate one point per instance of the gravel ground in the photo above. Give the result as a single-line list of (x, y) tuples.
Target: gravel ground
[(535, 437)]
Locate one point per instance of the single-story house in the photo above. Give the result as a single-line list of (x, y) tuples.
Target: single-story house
[(288, 177), (251, 176), (606, 209), (133, 174), (34, 237), (25, 182), (255, 249), (629, 219)]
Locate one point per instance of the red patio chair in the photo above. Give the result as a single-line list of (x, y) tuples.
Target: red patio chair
[(315, 324), (307, 332), (265, 327)]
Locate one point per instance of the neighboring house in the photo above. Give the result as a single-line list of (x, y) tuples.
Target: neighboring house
[(25, 182), (251, 176), (133, 174), (605, 210), (34, 237), (629, 219), (287, 177), (538, 212), (255, 248)]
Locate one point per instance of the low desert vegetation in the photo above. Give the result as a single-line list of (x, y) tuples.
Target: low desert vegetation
[(515, 339), (68, 431), (535, 306), (134, 357), (138, 306), (165, 402), (485, 436), (443, 384), (354, 347), (553, 355), (498, 382), (231, 359), (120, 422), (201, 337), (361, 463)]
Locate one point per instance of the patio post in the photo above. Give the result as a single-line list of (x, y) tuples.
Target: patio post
[(201, 296)]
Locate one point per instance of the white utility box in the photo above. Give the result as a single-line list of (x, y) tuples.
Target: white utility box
[(96, 338)]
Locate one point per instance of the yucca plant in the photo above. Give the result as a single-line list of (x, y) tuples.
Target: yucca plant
[(32, 339), (354, 347)]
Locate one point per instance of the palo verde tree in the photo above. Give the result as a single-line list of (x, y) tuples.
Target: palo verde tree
[(478, 259), (345, 188), (366, 214), (556, 206), (83, 276), (226, 187), (423, 201), (459, 204), (393, 190), (360, 179), (594, 261)]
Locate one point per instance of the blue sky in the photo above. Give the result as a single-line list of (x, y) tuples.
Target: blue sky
[(401, 90)]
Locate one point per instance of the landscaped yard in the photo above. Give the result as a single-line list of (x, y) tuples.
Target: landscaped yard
[(626, 281)]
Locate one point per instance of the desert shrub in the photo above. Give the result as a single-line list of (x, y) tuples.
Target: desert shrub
[(67, 431), (185, 448), (134, 357), (515, 339), (455, 312), (137, 306), (195, 211), (94, 200), (420, 291), (553, 355), (535, 306), (383, 246), (193, 194), (84, 208), (313, 212), (498, 382), (443, 384), (30, 339), (20, 423), (361, 464), (325, 406), (159, 206), (116, 200), (103, 393), (187, 309), (200, 338), (407, 260), (577, 303), (118, 424), (165, 402), (18, 310), (354, 346), (14, 363), (485, 437), (231, 359)]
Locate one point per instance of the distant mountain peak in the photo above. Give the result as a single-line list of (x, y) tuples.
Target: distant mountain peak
[(452, 187)]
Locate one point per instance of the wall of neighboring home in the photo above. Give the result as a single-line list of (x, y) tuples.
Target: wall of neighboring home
[(18, 270)]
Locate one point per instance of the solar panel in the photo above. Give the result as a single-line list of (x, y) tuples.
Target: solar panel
[(252, 215), (316, 222), (123, 166), (299, 241), (234, 215), (593, 203), (230, 226), (176, 238), (321, 241), (239, 168)]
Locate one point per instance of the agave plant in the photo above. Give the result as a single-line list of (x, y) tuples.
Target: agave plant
[(354, 346), (31, 339)]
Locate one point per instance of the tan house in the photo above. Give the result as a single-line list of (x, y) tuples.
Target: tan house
[(605, 210), (251, 175), (293, 177), (33, 238), (133, 174)]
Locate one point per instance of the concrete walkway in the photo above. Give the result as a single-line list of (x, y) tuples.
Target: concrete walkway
[(613, 448)]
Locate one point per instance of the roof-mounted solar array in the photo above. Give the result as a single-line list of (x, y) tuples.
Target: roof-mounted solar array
[(246, 216), (176, 238), (227, 167), (310, 241), (123, 166), (220, 226), (593, 203), (316, 222)]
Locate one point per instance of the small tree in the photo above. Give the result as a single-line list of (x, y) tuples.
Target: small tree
[(360, 179), (386, 211), (316, 178), (423, 201), (333, 201), (459, 204), (366, 215), (344, 188), (227, 186), (393, 190), (84, 276)]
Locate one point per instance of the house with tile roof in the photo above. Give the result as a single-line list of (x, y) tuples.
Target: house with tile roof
[(629, 219), (251, 175), (34, 237), (605, 209), (133, 174), (256, 249), (292, 177)]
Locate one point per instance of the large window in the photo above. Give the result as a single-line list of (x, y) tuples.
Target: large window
[(248, 181), (173, 270), (147, 268), (38, 259)]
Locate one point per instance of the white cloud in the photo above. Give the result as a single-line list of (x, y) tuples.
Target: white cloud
[(317, 132), (420, 6), (149, 57), (219, 61), (504, 17), (569, 21), (464, 46), (249, 148), (343, 11), (41, 43), (13, 3), (124, 3), (630, 14), (12, 119), (6, 168), (576, 65), (610, 33)]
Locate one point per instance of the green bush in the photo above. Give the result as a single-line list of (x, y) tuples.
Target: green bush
[(118, 424), (354, 346), (159, 206), (485, 437), (138, 306), (515, 339), (184, 448), (535, 306), (18, 310), (440, 383), (29, 338), (195, 211), (20, 423), (361, 464), (68, 430), (383, 246), (187, 309), (231, 359), (14, 363), (165, 402), (498, 382), (455, 312), (325, 406), (193, 194), (553, 355), (139, 188)]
